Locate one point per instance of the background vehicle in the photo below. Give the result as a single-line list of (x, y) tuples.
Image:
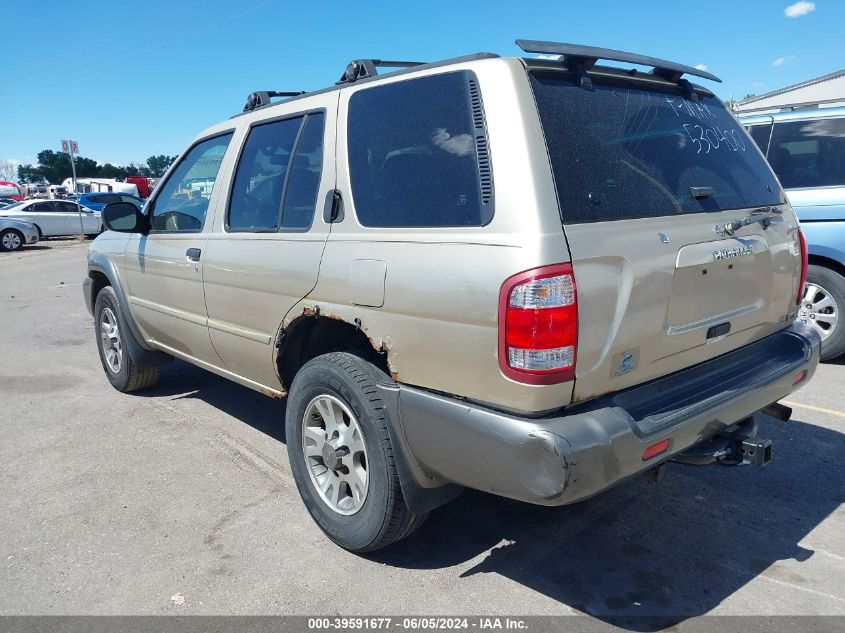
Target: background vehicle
[(101, 185), (54, 218), (806, 149), (15, 234), (11, 190), (531, 277), (142, 183), (96, 201)]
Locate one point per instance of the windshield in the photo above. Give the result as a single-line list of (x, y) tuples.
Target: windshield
[(14, 205), (623, 152)]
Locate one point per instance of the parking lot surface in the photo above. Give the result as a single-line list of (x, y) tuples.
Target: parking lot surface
[(180, 501)]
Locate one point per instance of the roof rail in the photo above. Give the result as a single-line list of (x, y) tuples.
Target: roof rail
[(262, 98), (361, 68), (578, 57)]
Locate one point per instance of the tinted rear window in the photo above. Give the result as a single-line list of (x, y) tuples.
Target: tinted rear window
[(623, 152), (809, 153), (418, 154)]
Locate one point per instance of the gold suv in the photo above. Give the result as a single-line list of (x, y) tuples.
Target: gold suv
[(530, 276)]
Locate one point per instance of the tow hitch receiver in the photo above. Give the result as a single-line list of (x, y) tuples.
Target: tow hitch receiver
[(737, 447)]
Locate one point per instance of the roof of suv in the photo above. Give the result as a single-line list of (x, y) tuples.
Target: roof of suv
[(574, 57)]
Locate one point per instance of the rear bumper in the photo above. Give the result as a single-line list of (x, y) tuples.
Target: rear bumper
[(585, 449)]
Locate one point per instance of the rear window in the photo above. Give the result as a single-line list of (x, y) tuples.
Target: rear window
[(418, 153), (623, 152)]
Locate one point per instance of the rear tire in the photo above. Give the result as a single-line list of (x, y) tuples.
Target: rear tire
[(377, 515), (122, 371), (11, 240), (826, 295)]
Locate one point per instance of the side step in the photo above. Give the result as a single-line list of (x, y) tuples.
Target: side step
[(738, 447)]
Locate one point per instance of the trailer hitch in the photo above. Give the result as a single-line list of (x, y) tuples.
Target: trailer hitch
[(736, 447)]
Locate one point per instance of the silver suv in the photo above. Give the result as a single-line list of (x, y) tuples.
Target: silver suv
[(532, 277)]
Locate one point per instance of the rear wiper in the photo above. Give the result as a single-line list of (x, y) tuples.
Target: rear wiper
[(752, 218)]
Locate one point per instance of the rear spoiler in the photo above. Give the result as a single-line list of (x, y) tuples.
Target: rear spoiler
[(578, 57)]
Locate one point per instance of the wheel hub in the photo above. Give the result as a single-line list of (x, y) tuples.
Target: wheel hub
[(333, 455)]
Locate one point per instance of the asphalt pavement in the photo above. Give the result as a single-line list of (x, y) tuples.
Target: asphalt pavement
[(180, 500)]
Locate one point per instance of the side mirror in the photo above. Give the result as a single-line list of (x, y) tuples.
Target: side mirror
[(123, 217)]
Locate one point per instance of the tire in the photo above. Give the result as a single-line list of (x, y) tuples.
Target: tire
[(382, 517), (121, 370), (11, 240), (823, 307)]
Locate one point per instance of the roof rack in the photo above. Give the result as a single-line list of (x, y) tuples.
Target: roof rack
[(358, 70), (262, 98), (361, 68), (582, 58)]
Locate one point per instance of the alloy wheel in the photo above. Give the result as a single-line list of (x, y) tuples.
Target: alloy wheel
[(819, 309), (335, 454), (110, 340)]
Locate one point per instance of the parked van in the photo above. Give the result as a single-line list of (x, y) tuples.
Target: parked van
[(806, 149)]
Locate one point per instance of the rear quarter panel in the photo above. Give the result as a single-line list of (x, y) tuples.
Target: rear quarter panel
[(439, 318)]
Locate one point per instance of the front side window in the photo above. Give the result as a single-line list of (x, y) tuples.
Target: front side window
[(623, 151), (183, 200), (278, 176), (417, 153), (808, 153)]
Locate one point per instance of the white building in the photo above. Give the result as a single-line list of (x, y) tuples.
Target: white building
[(825, 91)]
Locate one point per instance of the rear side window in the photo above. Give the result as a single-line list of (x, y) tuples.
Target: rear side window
[(418, 153), (809, 153), (278, 176), (760, 134), (620, 152)]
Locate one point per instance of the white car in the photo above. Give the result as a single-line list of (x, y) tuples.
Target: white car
[(55, 217), (15, 234)]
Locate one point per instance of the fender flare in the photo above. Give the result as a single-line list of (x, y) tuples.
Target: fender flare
[(141, 354)]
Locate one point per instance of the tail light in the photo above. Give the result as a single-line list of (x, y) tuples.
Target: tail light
[(538, 325), (804, 263)]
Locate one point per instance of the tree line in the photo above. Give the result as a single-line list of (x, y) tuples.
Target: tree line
[(54, 167)]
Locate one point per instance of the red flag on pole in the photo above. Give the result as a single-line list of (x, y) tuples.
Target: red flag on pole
[(64, 146), (74, 147)]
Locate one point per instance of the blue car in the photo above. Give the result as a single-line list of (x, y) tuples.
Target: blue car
[(806, 149), (97, 201)]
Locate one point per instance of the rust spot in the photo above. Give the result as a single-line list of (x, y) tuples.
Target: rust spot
[(273, 393), (379, 344)]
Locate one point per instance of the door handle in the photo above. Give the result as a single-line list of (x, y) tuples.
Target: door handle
[(193, 254)]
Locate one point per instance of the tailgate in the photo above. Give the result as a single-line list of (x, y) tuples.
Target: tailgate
[(647, 180)]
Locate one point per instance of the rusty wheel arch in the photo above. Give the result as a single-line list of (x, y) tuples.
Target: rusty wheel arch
[(315, 332)]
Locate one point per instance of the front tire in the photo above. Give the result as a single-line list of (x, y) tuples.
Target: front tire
[(11, 240), (121, 370), (341, 455), (822, 307)]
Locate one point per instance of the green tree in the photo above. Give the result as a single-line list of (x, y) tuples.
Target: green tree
[(157, 165), (134, 169), (112, 171), (28, 173), (53, 167)]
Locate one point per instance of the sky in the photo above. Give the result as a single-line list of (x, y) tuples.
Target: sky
[(128, 80)]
